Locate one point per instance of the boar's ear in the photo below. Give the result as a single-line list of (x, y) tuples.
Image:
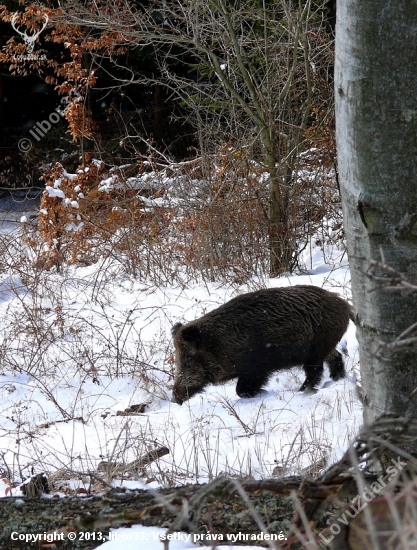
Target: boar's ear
[(192, 335), (175, 329)]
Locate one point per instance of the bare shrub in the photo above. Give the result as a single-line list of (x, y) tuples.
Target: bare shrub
[(175, 222)]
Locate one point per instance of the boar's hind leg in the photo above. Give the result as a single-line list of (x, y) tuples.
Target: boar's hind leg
[(314, 372), (336, 366), (248, 385)]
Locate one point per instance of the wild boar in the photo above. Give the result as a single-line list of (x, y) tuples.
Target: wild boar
[(259, 333)]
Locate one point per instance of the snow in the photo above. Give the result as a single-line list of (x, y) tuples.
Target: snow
[(108, 184), (154, 538), (52, 192), (129, 538), (79, 346), (74, 227)]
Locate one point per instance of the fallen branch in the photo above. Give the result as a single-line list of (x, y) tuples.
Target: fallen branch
[(227, 506)]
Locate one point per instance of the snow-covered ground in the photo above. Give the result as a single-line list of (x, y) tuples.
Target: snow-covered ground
[(81, 347), (152, 538)]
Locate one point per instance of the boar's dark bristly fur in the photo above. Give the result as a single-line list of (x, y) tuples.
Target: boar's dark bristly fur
[(259, 333)]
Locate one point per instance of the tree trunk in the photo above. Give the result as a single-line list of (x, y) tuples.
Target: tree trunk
[(2, 69), (281, 245), (274, 217), (1, 100), (280, 251), (376, 119)]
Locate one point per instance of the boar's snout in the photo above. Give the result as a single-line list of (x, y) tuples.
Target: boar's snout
[(179, 395), (176, 400)]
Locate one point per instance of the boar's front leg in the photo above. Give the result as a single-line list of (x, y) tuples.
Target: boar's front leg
[(249, 385)]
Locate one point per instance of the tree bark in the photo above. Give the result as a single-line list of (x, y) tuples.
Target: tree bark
[(375, 85), (281, 244)]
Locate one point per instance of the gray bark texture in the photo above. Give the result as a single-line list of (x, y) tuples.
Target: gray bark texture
[(376, 119)]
